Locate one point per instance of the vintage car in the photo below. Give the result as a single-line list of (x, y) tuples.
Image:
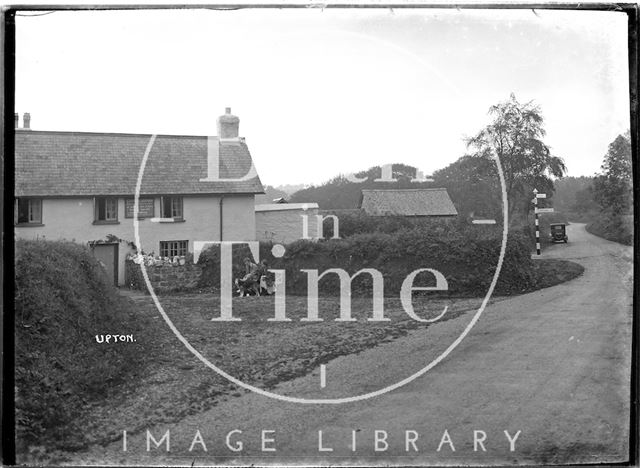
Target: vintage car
[(558, 232)]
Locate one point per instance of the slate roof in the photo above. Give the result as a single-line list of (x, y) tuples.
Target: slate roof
[(51, 164), (408, 202)]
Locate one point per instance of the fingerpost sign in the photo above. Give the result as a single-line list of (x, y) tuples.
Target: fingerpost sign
[(537, 195)]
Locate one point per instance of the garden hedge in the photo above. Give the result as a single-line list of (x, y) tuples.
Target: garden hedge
[(613, 227), (466, 256)]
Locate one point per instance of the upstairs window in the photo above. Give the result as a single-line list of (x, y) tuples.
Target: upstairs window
[(106, 210), (174, 248), (171, 207), (28, 211)]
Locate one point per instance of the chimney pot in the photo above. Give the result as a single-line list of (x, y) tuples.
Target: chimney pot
[(16, 118), (26, 120), (228, 125)]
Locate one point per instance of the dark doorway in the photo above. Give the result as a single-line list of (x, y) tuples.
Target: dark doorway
[(107, 255)]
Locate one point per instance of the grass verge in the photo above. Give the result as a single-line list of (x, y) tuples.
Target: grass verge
[(550, 272), (254, 350)]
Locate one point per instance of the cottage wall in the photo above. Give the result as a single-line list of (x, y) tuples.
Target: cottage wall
[(72, 219), (239, 220)]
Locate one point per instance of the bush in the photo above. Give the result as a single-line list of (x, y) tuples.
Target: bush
[(63, 299), (353, 222), (617, 228), (467, 257)]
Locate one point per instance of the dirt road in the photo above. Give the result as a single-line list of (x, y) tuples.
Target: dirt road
[(553, 364)]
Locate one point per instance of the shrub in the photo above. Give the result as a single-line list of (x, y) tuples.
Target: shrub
[(63, 299), (358, 222), (467, 257), (617, 228)]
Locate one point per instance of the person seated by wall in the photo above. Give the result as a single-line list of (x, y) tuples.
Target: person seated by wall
[(250, 282)]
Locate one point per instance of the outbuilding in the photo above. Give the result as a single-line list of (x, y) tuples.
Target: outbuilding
[(427, 202), (286, 222)]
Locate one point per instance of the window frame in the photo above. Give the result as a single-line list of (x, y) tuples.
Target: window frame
[(177, 204), (30, 222), (96, 210), (166, 245)]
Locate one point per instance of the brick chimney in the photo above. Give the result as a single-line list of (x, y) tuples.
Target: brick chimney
[(16, 118), (26, 121), (228, 125)]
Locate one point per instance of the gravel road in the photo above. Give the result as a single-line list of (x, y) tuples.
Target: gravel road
[(552, 366)]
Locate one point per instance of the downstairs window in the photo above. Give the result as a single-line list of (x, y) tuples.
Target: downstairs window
[(28, 211), (174, 248)]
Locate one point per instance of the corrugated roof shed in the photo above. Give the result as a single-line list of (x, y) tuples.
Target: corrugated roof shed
[(408, 202), (51, 164)]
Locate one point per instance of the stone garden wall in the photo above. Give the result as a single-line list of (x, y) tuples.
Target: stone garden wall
[(165, 278)]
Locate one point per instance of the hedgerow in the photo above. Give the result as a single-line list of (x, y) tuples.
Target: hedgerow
[(352, 222), (467, 257), (63, 299), (613, 227)]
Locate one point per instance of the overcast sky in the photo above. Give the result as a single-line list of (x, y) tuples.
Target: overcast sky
[(325, 92)]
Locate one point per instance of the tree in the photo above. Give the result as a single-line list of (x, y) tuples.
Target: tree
[(473, 185), (583, 201), (613, 189), (515, 137), (572, 191)]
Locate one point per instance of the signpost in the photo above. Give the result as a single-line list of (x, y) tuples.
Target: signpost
[(537, 210), (537, 195)]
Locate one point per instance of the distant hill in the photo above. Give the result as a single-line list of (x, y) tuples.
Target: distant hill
[(470, 191), (271, 193), (340, 193), (472, 184), (290, 189)]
